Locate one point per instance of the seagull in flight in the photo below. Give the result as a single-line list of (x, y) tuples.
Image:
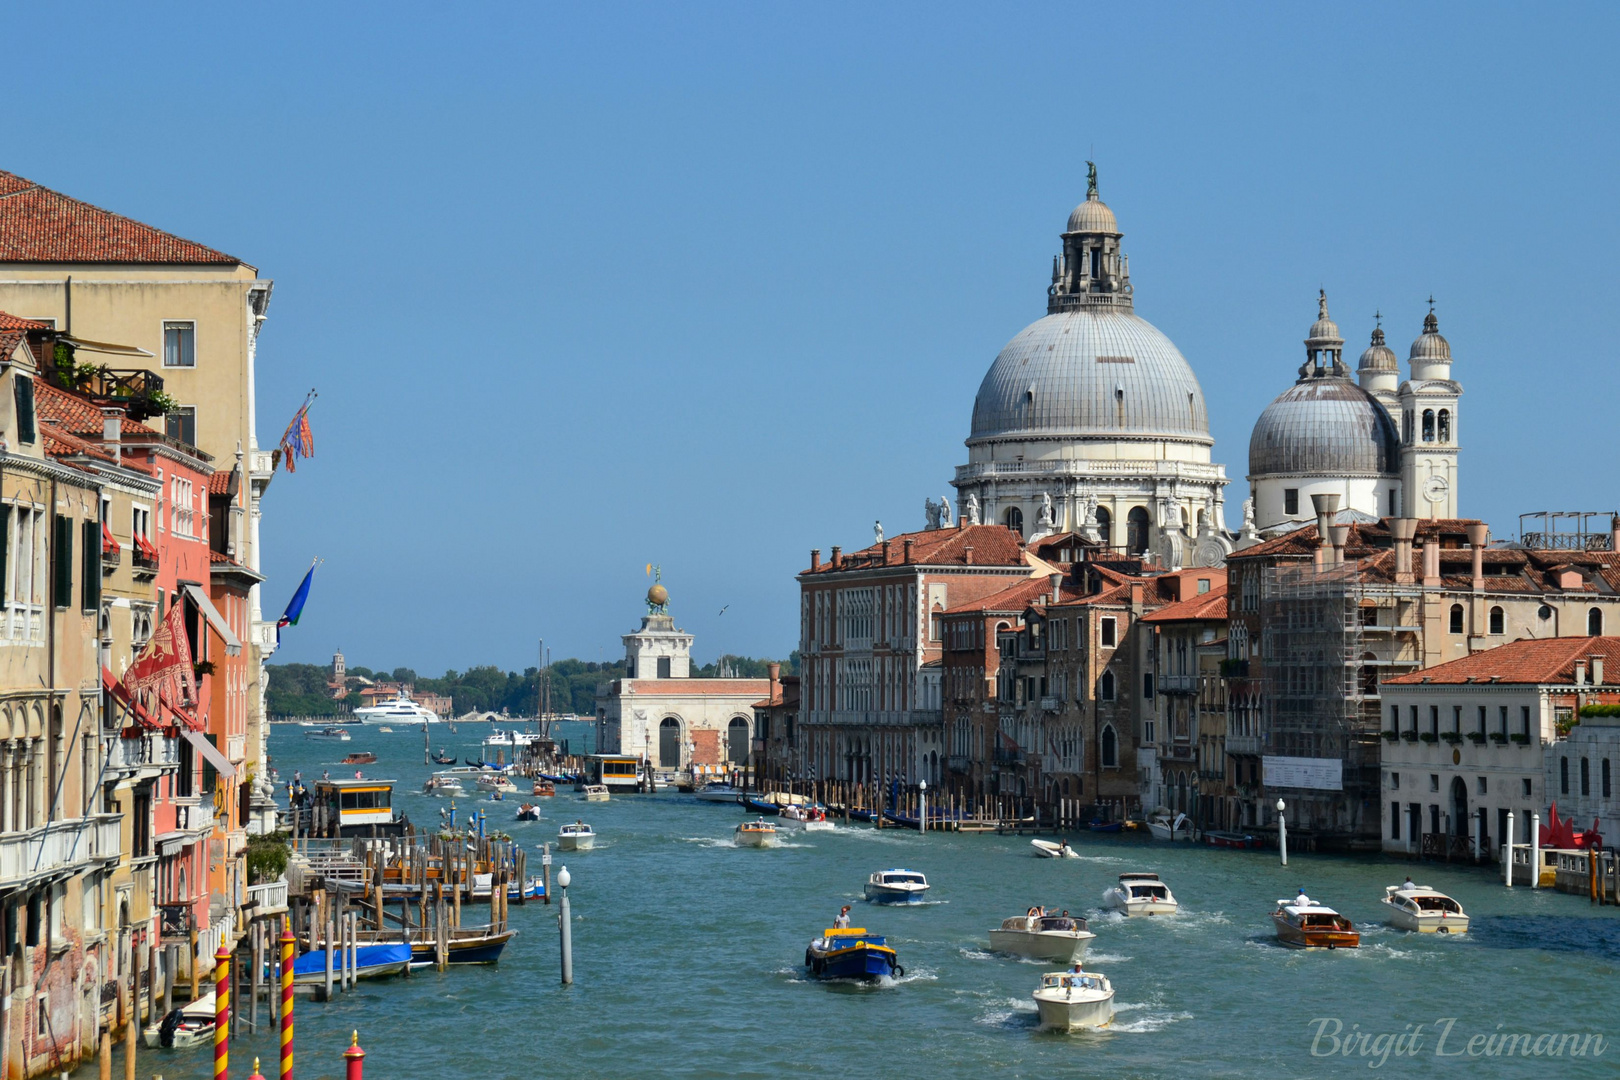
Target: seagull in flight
[(722, 611)]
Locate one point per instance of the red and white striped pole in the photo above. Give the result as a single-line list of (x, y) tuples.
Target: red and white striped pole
[(355, 1059), (222, 1013), (288, 945)]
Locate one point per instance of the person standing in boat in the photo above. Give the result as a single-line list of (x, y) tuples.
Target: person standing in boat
[(842, 922)]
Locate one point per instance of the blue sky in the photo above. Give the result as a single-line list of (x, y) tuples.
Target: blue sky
[(585, 287)]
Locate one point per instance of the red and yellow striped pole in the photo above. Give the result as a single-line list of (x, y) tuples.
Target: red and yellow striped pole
[(222, 1013), (256, 1074), (288, 945), (354, 1059)]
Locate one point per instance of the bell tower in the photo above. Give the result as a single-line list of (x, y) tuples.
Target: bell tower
[(1429, 428)]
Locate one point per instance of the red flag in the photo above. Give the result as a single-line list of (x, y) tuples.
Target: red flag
[(164, 666)]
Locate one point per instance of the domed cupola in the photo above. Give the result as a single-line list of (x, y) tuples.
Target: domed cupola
[(1431, 353), (1092, 272), (1379, 370), (1324, 348)]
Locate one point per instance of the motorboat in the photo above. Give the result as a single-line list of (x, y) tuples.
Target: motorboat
[(440, 784), (1141, 894), (1225, 839), (1068, 1000), (1045, 849), (400, 710), (328, 734), (852, 953), (1303, 924), (544, 789), (1422, 909), (184, 1028), (370, 962), (755, 804), (495, 782), (528, 812), (1058, 938), (756, 833), (896, 887), (595, 792), (576, 836), (362, 757), (1164, 828), (804, 818), (484, 884), (386, 730), (720, 793)]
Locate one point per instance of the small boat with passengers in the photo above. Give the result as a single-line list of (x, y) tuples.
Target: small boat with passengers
[(1061, 939), (328, 734), (1141, 894), (595, 792), (528, 812), (852, 953), (804, 818), (185, 1027), (1045, 849), (360, 757), (576, 836), (1423, 910), (1304, 924), (442, 785), (757, 833), (496, 783), (896, 886), (1074, 999), (442, 758), (544, 789)]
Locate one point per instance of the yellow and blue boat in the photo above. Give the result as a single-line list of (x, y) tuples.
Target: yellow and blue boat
[(846, 953)]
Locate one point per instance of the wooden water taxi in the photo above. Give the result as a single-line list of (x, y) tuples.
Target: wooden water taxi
[(1304, 924)]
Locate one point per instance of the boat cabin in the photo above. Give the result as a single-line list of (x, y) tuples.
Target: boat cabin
[(1144, 887), (615, 771), (1314, 917), (1425, 902), (898, 877), (355, 808), (1068, 980)]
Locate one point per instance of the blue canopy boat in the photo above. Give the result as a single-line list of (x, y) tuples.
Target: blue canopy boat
[(1106, 826), (370, 962), (761, 806), (851, 954)]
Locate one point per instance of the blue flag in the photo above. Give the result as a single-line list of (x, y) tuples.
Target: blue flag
[(295, 606)]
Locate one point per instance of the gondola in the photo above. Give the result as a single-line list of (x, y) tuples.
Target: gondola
[(444, 759), (761, 806), (1105, 826)]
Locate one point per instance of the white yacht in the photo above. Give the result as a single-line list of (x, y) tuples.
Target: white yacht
[(444, 784), (576, 836), (1141, 894), (401, 710), (1046, 849), (896, 887), (1420, 908), (1067, 1000), (1058, 938), (721, 793)]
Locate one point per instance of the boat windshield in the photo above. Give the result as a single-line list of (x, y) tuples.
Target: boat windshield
[(902, 879), (1075, 982), (1149, 892), (1062, 923), (1436, 903)]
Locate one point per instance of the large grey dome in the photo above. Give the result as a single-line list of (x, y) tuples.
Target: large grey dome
[(1324, 426), (1090, 372)]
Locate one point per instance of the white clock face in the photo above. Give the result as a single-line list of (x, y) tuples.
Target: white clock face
[(1434, 488)]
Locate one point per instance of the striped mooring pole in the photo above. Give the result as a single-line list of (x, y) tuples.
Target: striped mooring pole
[(288, 944), (354, 1060), (222, 1014), (257, 1075)]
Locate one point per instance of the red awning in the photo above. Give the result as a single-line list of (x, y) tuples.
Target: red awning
[(109, 546)]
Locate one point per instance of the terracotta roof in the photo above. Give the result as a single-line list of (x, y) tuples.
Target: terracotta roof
[(1210, 605), (993, 545), (220, 482), (9, 321), (59, 443), (1535, 661), (79, 415), (1015, 597), (41, 225)]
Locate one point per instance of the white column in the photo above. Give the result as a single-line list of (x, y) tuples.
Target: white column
[(1507, 852), (1535, 851), (8, 821)]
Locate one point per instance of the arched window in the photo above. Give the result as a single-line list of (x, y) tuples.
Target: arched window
[(182, 895), (1496, 620), (1136, 531), (1013, 519), (669, 743), (1105, 526), (1105, 691), (1456, 618), (1445, 425), (737, 741), (1110, 747), (1594, 622), (1428, 425)]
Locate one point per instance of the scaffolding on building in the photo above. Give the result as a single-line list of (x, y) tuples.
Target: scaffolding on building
[(1312, 643)]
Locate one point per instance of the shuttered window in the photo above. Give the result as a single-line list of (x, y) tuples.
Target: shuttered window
[(23, 387), (90, 533), (62, 563)]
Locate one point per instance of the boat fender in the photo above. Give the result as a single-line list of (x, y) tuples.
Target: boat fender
[(1331, 946), (819, 966), (899, 972)]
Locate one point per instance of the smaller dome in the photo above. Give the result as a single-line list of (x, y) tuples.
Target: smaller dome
[(1430, 345), (1093, 216), (1324, 329), (1379, 357), (1324, 426)]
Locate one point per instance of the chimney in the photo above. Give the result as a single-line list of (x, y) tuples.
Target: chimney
[(886, 544), (1403, 529), (1056, 581), (1479, 535), (112, 425), (1580, 673), (1597, 669), (837, 555), (1136, 597), (1339, 535), (1614, 533), (967, 554), (776, 681), (905, 551), (1327, 507), (1431, 563), (815, 559)]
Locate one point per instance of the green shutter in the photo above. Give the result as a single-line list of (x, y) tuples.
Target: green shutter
[(23, 387), (210, 774), (62, 563), (92, 566)]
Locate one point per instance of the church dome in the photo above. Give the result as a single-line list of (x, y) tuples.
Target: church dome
[(1092, 216), (1379, 357), (1430, 346), (1090, 372), (1327, 426)]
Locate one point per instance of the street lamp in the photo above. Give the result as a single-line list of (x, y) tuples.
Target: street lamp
[(922, 806), (567, 941), (1282, 831)]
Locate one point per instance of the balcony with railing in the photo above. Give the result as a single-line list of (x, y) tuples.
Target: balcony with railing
[(1249, 745), (959, 763), (148, 751), (267, 898), (34, 853), (1006, 756), (1052, 704), (1178, 684)]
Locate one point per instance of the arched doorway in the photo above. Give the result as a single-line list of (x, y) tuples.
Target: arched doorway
[(1110, 748), (737, 741), (1459, 806), (669, 743), (1014, 519), (1136, 531), (1105, 526)]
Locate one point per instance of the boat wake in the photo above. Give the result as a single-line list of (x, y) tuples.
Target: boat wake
[(708, 841), (975, 954), (1103, 958), (1153, 1018), (1008, 1013)]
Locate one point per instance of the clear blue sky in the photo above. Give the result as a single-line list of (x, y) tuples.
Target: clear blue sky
[(589, 286)]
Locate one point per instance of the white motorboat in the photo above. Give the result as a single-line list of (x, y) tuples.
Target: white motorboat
[(186, 1027), (328, 734), (1141, 894), (444, 785), (1067, 1000), (720, 793), (756, 833), (492, 781), (804, 818), (896, 887), (400, 710), (576, 836), (1045, 849), (595, 792), (1422, 909), (1164, 828), (1058, 938)]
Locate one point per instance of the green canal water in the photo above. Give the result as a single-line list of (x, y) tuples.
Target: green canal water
[(687, 955)]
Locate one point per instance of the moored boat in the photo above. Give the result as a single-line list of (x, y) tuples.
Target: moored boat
[(1303, 924), (1106, 826), (185, 1027), (1422, 909), (757, 805), (718, 793), (896, 886), (1045, 849), (852, 953), (1069, 1000), (757, 833), (576, 836), (1141, 894), (1163, 827), (371, 962), (1058, 938), (1225, 839)]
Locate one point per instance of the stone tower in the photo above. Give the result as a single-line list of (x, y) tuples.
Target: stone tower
[(1429, 428)]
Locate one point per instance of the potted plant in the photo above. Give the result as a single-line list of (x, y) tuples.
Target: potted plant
[(1429, 736), (1498, 737), (1451, 737), (1477, 736), (1521, 739), (1392, 735), (1409, 736)]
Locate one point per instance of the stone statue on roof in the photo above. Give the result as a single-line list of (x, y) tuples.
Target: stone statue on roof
[(931, 509), (970, 512), (1091, 178), (1044, 520), (877, 532), (944, 511)]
